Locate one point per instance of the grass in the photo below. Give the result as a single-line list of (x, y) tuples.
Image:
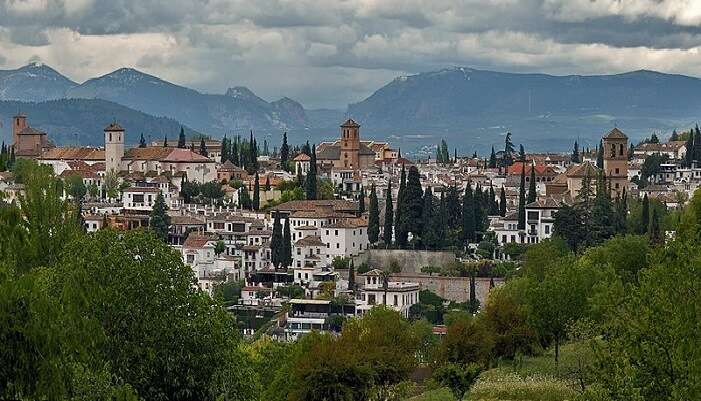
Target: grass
[(525, 379)]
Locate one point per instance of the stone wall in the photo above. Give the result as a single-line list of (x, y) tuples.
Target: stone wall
[(410, 261), (452, 288)]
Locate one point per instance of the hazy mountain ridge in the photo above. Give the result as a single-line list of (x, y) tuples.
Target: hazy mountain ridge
[(81, 121)]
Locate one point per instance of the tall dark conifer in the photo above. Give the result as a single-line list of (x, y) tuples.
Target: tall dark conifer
[(401, 233), (645, 215), (287, 244), (468, 215), (256, 193), (373, 217), (389, 216), (284, 152), (181, 138), (502, 202), (532, 192), (276, 242), (522, 200)]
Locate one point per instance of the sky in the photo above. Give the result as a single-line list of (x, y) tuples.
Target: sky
[(328, 53)]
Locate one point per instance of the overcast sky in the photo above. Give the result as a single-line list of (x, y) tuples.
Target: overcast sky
[(327, 53)]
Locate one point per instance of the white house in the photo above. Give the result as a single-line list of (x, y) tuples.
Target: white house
[(398, 295)]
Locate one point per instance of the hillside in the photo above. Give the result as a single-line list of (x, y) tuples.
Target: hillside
[(468, 105), (68, 121)]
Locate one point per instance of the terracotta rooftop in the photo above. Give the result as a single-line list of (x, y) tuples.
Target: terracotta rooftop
[(334, 204), (197, 241), (350, 223), (113, 127), (74, 153), (302, 157), (583, 169), (540, 169), (615, 134), (31, 131), (178, 155), (350, 124), (310, 240), (547, 203)]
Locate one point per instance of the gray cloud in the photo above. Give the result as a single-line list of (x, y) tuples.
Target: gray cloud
[(332, 52)]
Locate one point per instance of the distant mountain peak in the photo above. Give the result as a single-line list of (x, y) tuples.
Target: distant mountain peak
[(241, 92)]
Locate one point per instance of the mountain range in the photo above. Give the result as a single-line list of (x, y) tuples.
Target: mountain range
[(472, 109)]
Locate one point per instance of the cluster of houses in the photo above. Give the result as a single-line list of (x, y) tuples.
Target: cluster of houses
[(223, 242)]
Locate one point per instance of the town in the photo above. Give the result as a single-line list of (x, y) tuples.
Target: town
[(450, 253), (335, 228)]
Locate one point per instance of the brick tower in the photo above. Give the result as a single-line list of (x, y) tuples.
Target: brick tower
[(114, 147), (615, 145), (350, 145), (19, 122)]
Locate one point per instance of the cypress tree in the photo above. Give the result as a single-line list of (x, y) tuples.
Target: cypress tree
[(532, 193), (310, 183), (493, 159), (442, 221), (287, 244), (413, 199), (654, 232), (374, 217), (689, 155), (493, 205), (165, 141), (361, 201), (502, 202), (267, 183), (225, 148), (351, 276), (521, 153), (256, 193), (389, 216), (284, 152), (429, 237), (600, 155), (203, 148), (645, 215), (468, 215), (522, 200), (300, 179), (575, 153), (602, 213), (478, 201), (142, 141), (181, 138), (234, 154), (400, 230), (159, 220), (276, 242)]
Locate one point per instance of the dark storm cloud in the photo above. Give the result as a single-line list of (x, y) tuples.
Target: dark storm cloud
[(331, 52)]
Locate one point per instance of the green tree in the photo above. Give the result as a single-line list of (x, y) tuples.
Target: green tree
[(277, 242), (142, 141), (389, 216), (645, 218), (75, 187), (532, 192), (575, 153), (181, 138), (203, 147), (373, 217), (457, 377), (492, 159), (401, 233), (361, 201), (284, 152), (600, 155), (429, 235), (502, 202), (568, 226), (654, 232), (219, 247), (256, 193), (522, 200), (508, 158), (111, 185), (468, 215), (159, 220), (287, 244)]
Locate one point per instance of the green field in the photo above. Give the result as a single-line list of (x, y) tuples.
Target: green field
[(525, 379)]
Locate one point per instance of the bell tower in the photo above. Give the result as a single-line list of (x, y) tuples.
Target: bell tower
[(350, 145), (19, 122), (615, 145), (114, 147)]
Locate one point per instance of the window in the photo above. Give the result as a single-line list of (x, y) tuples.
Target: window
[(547, 229), (299, 250), (396, 300), (335, 232)]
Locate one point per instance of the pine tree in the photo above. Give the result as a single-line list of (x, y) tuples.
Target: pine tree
[(142, 141), (284, 152), (575, 153), (181, 138), (468, 215), (401, 233), (600, 155), (287, 244), (277, 252), (159, 220), (493, 159), (645, 215), (522, 200), (502, 202), (389, 216), (203, 148), (532, 192), (256, 193), (374, 217)]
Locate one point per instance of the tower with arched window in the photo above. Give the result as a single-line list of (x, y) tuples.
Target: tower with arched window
[(615, 145), (350, 145)]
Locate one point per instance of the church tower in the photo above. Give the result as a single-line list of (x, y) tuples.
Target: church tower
[(19, 122), (350, 145), (114, 147), (615, 145)]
